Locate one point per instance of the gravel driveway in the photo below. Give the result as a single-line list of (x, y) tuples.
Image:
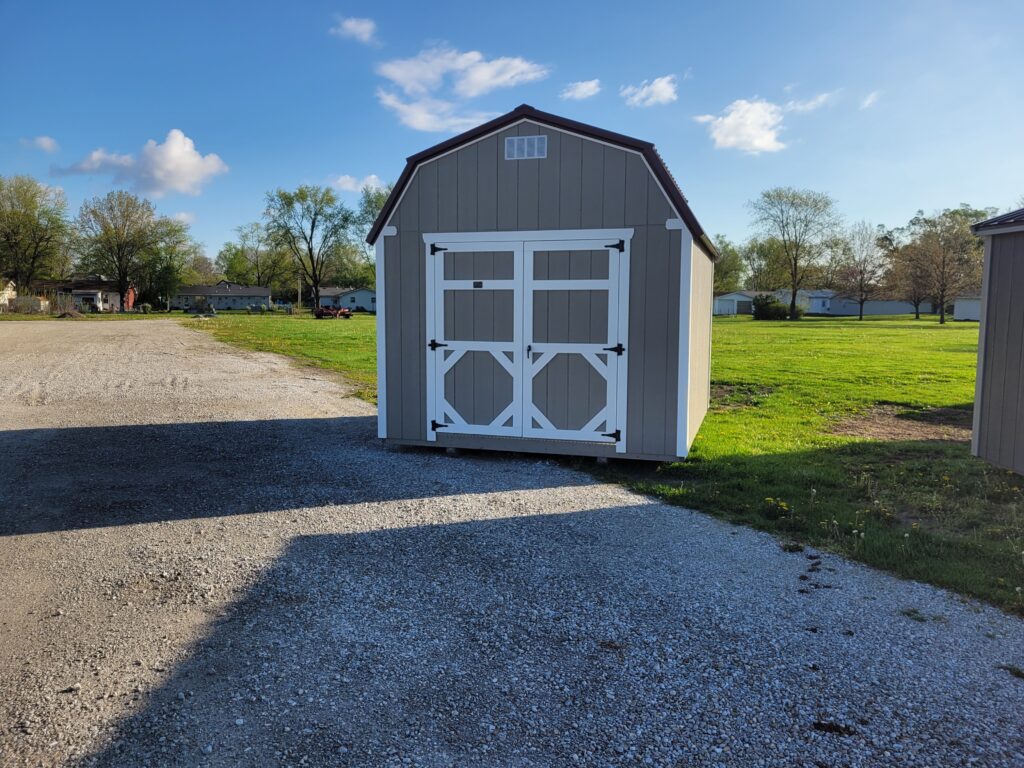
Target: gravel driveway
[(207, 558)]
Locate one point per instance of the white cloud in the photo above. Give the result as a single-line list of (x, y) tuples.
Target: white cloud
[(348, 183), (185, 217), (46, 143), (173, 166), (870, 100), (660, 90), (809, 105), (472, 74), (753, 125), (582, 89), (363, 30), (431, 114), (750, 126)]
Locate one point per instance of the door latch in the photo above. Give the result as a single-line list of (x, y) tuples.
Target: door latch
[(618, 349), (616, 435), (434, 344)]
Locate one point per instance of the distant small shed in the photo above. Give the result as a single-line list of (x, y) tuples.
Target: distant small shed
[(967, 308), (542, 286), (999, 388)]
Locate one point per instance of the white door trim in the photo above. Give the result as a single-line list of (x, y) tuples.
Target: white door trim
[(521, 242), (528, 235), (437, 365)]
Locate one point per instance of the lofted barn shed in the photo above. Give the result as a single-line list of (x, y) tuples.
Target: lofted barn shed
[(542, 286)]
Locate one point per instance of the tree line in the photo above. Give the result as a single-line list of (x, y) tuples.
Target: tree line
[(802, 242), (305, 235)]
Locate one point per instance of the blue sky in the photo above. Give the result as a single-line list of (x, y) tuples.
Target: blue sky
[(205, 106)]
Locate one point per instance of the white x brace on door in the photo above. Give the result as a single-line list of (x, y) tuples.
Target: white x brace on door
[(526, 334)]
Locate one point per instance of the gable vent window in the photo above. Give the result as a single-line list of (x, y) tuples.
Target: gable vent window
[(526, 147)]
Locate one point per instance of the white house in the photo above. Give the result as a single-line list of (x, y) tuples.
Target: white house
[(223, 295), (967, 308), (829, 302), (737, 302), (89, 293), (7, 292), (356, 299), (742, 302)]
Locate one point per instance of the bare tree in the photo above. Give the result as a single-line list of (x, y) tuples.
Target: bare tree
[(802, 220), (311, 223), (33, 230), (861, 273), (113, 235)]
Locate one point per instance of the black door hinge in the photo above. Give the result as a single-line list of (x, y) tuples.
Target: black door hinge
[(436, 425), (618, 349), (435, 248), (619, 246), (434, 344), (616, 435)]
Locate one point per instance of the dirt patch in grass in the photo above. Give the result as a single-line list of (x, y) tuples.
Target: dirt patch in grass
[(726, 396), (893, 422)]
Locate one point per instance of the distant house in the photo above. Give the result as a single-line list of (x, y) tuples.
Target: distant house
[(92, 293), (967, 308), (7, 292), (742, 302), (737, 302), (836, 304), (361, 299), (223, 295)]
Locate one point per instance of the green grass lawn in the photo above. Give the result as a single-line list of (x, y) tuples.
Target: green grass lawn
[(767, 456)]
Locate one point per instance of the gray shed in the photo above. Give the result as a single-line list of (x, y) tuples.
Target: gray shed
[(998, 435), (542, 286)]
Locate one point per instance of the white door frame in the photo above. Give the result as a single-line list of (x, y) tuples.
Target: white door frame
[(437, 365), (518, 242), (613, 370)]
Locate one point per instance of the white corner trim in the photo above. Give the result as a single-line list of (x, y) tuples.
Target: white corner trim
[(986, 286), (379, 317), (389, 231), (683, 378), (673, 224), (527, 235)]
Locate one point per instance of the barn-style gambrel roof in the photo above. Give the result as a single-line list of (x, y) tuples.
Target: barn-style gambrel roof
[(1011, 220), (526, 112)]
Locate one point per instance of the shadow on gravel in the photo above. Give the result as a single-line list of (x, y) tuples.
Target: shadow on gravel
[(84, 477), (506, 642)]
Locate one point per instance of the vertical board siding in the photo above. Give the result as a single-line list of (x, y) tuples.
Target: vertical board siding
[(1001, 422), (582, 184)]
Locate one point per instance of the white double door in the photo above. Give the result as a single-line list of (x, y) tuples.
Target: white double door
[(527, 338)]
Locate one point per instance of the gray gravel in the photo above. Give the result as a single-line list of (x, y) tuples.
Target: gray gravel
[(208, 559)]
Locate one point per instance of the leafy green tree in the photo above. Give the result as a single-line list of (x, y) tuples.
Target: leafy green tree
[(311, 224), (729, 267), (764, 264), (803, 221), (254, 258), (371, 202), (33, 230), (162, 267), (113, 235)]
